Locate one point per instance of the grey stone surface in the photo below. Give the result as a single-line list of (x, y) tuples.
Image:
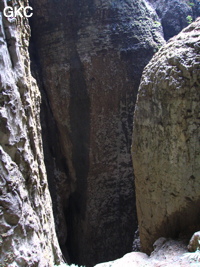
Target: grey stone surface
[(27, 231), (91, 55), (165, 146), (194, 243), (167, 252), (175, 14)]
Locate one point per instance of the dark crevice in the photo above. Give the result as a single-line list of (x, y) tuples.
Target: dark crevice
[(53, 156), (79, 110), (81, 242)]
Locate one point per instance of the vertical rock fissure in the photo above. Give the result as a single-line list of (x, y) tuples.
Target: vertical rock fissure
[(79, 110), (55, 162), (91, 55), (69, 204)]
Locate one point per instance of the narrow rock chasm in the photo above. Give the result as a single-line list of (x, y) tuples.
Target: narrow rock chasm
[(88, 58)]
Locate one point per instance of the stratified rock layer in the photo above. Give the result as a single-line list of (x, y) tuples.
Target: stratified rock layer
[(91, 55), (166, 148), (27, 234)]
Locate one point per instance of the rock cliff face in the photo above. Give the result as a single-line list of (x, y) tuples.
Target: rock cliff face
[(175, 14), (166, 144), (27, 234), (91, 55)]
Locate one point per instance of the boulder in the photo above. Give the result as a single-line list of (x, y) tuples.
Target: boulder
[(165, 147), (194, 243)]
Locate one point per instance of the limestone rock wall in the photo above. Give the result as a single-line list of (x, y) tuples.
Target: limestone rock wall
[(175, 14), (91, 55), (166, 148), (27, 233)]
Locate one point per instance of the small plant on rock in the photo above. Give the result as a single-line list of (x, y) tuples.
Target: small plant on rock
[(189, 19), (191, 4), (157, 23)]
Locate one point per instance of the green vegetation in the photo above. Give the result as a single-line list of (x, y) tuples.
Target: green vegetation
[(191, 4), (157, 23), (189, 19)]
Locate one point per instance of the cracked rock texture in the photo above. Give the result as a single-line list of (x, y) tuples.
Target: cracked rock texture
[(166, 148), (27, 233), (91, 55)]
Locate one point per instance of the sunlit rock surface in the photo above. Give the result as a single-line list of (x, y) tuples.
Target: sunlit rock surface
[(27, 234), (167, 252), (166, 148)]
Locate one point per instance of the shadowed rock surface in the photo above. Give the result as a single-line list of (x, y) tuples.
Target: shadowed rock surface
[(27, 233), (175, 14), (166, 145), (91, 55)]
